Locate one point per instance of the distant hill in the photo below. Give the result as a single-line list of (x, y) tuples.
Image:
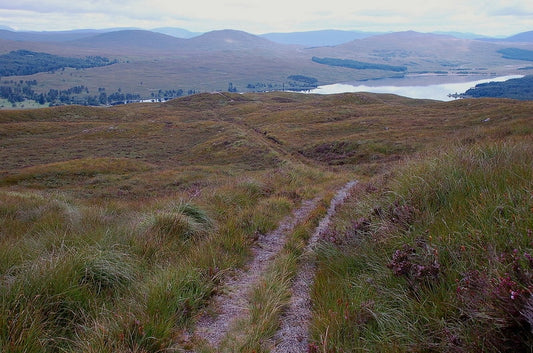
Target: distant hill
[(176, 32), (131, 39), (231, 40), (418, 49), (321, 38), (517, 54), (401, 45), (46, 36), (54, 36), (357, 65), (524, 37), (521, 37), (406, 39), (461, 35), (150, 63), (24, 62)]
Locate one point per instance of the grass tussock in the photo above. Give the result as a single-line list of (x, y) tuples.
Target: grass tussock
[(434, 258), (183, 221), (45, 300)]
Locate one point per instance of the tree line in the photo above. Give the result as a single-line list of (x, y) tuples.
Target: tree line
[(20, 91), (25, 62), (516, 54), (359, 65), (518, 88)]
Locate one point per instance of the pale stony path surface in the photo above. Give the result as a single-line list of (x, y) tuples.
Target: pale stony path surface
[(293, 335), (232, 305)]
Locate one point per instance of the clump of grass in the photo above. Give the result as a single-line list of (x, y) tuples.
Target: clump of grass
[(267, 302), (434, 259), (182, 221), (106, 270), (153, 321), (48, 299), (176, 293), (265, 216), (196, 213), (26, 214), (45, 299)]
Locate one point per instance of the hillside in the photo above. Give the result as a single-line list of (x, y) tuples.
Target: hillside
[(150, 64), (120, 226), (232, 40), (418, 49), (524, 37), (176, 32), (130, 40), (317, 38), (60, 36), (521, 37)]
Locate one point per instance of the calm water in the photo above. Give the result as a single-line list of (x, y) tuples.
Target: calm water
[(414, 87)]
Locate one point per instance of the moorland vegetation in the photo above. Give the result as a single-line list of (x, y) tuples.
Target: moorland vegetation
[(119, 225)]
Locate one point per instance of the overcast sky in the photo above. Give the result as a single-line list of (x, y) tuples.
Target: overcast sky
[(262, 16)]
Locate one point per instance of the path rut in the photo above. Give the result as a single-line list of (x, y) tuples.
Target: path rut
[(232, 306), (293, 335)]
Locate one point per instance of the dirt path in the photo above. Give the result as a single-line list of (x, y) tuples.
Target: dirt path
[(232, 305), (293, 335), (270, 142)]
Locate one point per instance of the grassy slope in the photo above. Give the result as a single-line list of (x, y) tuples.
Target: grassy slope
[(118, 223), (436, 257)]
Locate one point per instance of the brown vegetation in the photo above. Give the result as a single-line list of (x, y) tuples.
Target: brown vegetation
[(118, 224)]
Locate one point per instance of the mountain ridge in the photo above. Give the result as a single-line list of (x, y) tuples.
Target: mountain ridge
[(323, 37), (149, 62), (319, 38), (229, 39), (130, 38), (177, 32)]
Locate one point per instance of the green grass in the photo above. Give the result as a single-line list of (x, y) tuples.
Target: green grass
[(122, 275), (434, 259)]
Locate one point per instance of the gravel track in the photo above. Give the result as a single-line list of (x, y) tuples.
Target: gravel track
[(293, 335), (232, 305)]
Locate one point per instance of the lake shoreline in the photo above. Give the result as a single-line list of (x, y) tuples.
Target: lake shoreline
[(423, 86)]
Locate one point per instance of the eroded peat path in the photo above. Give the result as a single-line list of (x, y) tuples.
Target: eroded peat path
[(293, 334), (232, 305)]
